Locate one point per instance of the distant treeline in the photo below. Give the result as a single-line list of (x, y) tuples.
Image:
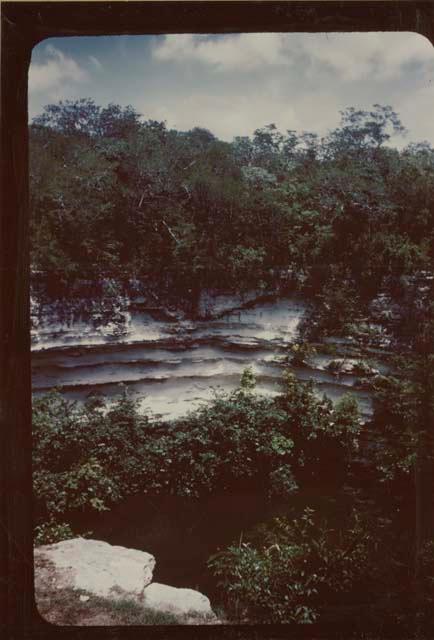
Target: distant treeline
[(113, 195)]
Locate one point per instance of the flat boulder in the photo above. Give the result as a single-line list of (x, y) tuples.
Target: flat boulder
[(96, 567), (183, 603)]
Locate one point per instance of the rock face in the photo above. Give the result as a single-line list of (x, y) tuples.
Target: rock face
[(112, 573), (213, 304), (181, 602), (98, 567)]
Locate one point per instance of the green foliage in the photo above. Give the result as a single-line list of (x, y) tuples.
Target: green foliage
[(301, 353), (114, 195), (363, 368), (66, 606), (396, 417), (359, 368), (248, 380), (239, 441), (87, 458), (401, 453), (51, 532), (402, 420), (338, 305), (245, 265), (325, 435), (292, 568), (129, 612), (364, 131)]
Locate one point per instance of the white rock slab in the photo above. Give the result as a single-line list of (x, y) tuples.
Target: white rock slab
[(98, 567), (180, 602)]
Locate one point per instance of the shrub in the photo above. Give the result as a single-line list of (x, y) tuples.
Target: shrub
[(84, 457), (325, 435), (291, 570), (240, 440), (51, 532), (301, 353), (89, 457)]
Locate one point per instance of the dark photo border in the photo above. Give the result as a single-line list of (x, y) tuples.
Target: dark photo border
[(23, 25)]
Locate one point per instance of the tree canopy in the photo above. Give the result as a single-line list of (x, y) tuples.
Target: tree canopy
[(113, 194)]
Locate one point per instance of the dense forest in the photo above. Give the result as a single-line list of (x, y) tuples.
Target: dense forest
[(114, 195), (345, 220)]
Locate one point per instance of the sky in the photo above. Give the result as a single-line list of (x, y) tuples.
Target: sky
[(233, 84)]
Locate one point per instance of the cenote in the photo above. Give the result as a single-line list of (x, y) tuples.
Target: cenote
[(172, 367)]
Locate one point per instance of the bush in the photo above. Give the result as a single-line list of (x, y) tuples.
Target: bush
[(239, 441), (50, 532), (301, 353), (85, 458), (89, 457), (337, 305), (292, 569), (325, 435)]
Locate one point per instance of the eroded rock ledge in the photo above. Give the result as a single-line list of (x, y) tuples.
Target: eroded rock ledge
[(90, 582)]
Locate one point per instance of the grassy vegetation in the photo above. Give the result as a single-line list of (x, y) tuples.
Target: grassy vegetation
[(80, 608)]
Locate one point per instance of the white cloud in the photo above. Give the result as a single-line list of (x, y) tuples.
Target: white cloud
[(55, 72), (239, 52), (379, 56), (225, 115), (417, 113), (233, 84), (96, 63), (350, 56)]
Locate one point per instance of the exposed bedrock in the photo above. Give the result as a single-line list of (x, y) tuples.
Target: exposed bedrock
[(92, 569)]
